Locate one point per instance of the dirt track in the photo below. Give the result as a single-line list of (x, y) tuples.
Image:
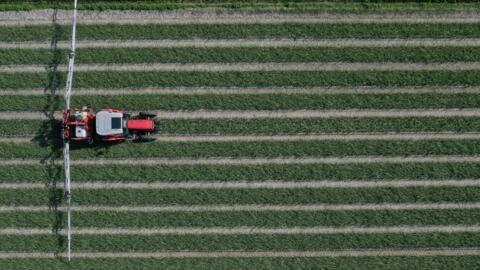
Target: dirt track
[(254, 254), (249, 230), (255, 184), (220, 67), (218, 15), (354, 113), (252, 207), (252, 90), (427, 42)]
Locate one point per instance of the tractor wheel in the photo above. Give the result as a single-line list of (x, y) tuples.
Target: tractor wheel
[(145, 138), (147, 115)]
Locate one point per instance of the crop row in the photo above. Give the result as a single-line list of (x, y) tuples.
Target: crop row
[(360, 263), (244, 55), (303, 6), (114, 197), (243, 31), (174, 102), (305, 242), (275, 219), (49, 172), (269, 149), (267, 126), (137, 79)]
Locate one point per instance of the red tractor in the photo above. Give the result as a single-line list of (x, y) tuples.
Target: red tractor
[(108, 125)]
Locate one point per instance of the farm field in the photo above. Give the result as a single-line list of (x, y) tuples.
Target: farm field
[(294, 135)]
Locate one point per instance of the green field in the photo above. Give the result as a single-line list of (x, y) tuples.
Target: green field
[(293, 135)]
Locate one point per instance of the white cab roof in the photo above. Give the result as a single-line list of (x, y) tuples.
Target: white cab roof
[(109, 123)]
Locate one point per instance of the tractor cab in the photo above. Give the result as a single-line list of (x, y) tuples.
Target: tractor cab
[(109, 122)]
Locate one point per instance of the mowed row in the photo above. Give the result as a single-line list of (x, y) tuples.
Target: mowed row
[(288, 140)]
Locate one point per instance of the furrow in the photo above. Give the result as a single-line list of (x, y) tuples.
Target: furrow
[(354, 113), (250, 90), (215, 67), (249, 230), (414, 42), (225, 16), (254, 254), (251, 207), (253, 184), (306, 137)]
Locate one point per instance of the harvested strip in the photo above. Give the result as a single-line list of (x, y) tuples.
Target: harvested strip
[(166, 43), (213, 67), (250, 230), (254, 185), (252, 254), (306, 137), (280, 114), (217, 15), (251, 90), (252, 207)]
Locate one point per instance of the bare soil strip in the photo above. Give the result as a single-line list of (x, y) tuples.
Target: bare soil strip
[(414, 42), (250, 90), (249, 230), (260, 161), (254, 254), (227, 16), (254, 184), (301, 137), (216, 67), (353, 113), (252, 207)]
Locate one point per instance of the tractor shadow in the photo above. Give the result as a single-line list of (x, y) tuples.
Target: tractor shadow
[(47, 135)]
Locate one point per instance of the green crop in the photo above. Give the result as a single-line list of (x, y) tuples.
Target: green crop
[(48, 172), (464, 262), (270, 149), (307, 242), (244, 31), (179, 196), (275, 219), (137, 79), (244, 55)]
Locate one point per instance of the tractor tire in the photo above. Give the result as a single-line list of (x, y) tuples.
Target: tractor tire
[(147, 115), (145, 139)]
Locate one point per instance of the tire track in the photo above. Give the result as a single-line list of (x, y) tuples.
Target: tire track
[(243, 67), (254, 184), (262, 161), (252, 207), (251, 90), (207, 43), (229, 16), (353, 113), (253, 254), (250, 230)]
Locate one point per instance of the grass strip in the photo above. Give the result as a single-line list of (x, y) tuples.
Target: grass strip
[(266, 126), (342, 263), (49, 172), (293, 5), (243, 31), (139, 79), (268, 149), (244, 55), (240, 242), (173, 102), (242, 196), (102, 219)]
